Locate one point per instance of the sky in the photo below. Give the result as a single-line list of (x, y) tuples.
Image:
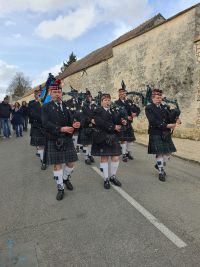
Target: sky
[(38, 35)]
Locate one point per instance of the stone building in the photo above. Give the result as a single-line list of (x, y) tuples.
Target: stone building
[(161, 52)]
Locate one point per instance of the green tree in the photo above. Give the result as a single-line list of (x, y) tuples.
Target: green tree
[(72, 58)]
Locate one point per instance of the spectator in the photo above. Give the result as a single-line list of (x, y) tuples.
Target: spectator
[(25, 115), (17, 119), (5, 111)]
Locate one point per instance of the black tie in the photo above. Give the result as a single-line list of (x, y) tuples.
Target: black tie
[(59, 105)]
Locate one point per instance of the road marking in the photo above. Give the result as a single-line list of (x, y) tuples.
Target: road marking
[(160, 226)]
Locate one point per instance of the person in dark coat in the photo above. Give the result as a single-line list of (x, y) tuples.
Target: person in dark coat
[(17, 119), (106, 140), (85, 131), (127, 136), (37, 132), (5, 112), (160, 129), (25, 115), (59, 126)]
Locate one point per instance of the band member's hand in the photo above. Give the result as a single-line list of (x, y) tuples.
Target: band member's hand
[(124, 122), (93, 121), (117, 128), (133, 115), (130, 118), (171, 125), (76, 125), (67, 129)]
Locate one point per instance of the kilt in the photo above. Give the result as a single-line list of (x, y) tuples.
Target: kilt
[(106, 150), (37, 136), (83, 138), (58, 157), (127, 135), (158, 146)]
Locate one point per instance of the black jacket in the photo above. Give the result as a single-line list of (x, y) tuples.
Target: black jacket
[(88, 115), (158, 118), (35, 112), (106, 121), (53, 118), (5, 110)]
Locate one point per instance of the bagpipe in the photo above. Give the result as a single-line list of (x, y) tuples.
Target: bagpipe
[(146, 99), (175, 112)]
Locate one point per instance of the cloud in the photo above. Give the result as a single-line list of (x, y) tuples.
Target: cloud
[(16, 35), (7, 71), (70, 26), (10, 23), (44, 75), (9, 6)]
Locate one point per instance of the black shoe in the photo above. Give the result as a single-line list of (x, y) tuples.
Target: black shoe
[(68, 184), (128, 155), (91, 159), (107, 184), (156, 166), (114, 180), (60, 195), (87, 161), (162, 177), (124, 158), (43, 167)]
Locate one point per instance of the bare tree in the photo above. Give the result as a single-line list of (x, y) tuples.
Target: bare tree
[(19, 85)]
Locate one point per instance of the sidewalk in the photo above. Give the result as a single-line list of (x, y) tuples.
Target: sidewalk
[(186, 149)]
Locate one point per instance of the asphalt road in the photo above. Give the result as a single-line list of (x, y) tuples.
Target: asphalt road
[(92, 226)]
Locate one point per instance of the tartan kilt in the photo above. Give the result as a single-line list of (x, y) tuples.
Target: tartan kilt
[(127, 135), (59, 157), (106, 150), (84, 139), (158, 146), (37, 136)]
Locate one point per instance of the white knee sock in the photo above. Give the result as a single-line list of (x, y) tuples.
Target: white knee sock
[(58, 176), (104, 167), (67, 171), (159, 162), (113, 167), (86, 151), (75, 140), (89, 150), (123, 146), (41, 152)]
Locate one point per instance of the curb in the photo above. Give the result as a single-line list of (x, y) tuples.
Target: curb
[(176, 156)]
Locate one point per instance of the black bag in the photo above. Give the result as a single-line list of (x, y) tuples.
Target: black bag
[(110, 139), (61, 144), (166, 136)]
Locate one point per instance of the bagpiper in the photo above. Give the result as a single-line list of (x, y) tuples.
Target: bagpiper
[(86, 129), (37, 133), (160, 129), (59, 125), (106, 140), (127, 136)]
